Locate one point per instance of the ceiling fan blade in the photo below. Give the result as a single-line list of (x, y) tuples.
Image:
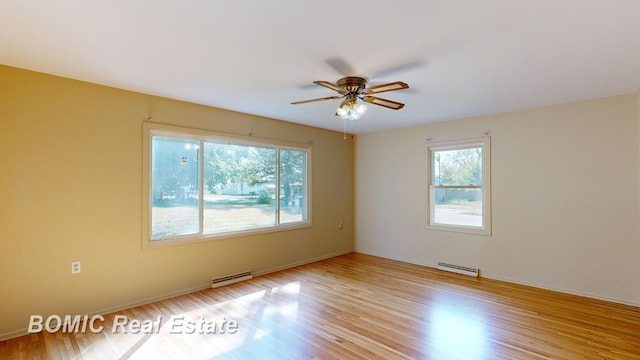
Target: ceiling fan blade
[(398, 69), (331, 86), (398, 85), (341, 66), (383, 102), (314, 100)]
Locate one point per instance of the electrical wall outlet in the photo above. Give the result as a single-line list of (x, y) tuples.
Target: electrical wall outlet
[(75, 267)]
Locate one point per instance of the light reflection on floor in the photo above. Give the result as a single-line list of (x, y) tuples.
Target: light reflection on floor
[(457, 332), (270, 324)]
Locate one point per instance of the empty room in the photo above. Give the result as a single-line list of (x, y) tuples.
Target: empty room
[(320, 180)]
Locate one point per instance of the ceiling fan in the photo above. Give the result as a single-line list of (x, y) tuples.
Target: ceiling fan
[(352, 88)]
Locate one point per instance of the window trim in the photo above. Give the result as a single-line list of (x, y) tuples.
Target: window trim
[(154, 129), (485, 143)]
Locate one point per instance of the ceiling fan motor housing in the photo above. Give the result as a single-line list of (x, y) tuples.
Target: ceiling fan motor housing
[(353, 84)]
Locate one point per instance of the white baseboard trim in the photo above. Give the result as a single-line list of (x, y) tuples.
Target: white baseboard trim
[(561, 290), (121, 307), (516, 281), (303, 262), (13, 334)]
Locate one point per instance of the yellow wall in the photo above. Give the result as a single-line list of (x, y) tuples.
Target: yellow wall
[(71, 190)]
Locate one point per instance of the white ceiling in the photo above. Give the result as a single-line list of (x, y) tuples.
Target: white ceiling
[(461, 58)]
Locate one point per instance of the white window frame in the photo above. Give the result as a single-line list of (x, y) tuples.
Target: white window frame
[(485, 144), (154, 129)]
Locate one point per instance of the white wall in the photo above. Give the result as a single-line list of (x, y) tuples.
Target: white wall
[(565, 199)]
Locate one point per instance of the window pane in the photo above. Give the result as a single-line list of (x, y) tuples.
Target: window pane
[(461, 207), (239, 187), (175, 187), (457, 167), (293, 187), (202, 185)]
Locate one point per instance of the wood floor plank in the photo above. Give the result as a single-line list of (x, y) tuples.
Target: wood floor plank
[(358, 306)]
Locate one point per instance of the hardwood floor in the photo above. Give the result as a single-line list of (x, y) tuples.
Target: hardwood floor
[(355, 307)]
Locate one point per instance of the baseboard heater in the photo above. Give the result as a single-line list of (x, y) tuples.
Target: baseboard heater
[(458, 269), (231, 279)]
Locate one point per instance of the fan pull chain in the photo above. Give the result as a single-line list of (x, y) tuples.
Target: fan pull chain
[(344, 129)]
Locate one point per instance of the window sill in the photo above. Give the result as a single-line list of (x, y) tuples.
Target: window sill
[(194, 239), (460, 229)]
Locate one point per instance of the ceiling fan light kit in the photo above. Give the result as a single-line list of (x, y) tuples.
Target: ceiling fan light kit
[(352, 88), (351, 110)]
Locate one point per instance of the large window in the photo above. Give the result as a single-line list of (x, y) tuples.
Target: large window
[(459, 186), (203, 185)]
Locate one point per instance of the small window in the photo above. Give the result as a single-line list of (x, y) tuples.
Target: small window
[(203, 185), (459, 186)]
